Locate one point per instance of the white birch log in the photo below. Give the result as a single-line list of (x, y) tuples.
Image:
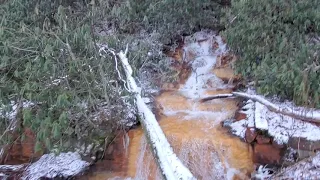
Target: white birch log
[(218, 96), (305, 115), (171, 167)]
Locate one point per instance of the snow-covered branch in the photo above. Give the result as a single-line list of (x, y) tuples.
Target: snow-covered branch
[(171, 167), (219, 96), (305, 115)]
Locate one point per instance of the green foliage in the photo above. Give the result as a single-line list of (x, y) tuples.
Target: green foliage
[(167, 17), (276, 42), (49, 57)]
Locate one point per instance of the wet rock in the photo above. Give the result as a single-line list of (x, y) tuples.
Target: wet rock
[(303, 144), (240, 116), (50, 166), (225, 60), (176, 53), (226, 74), (277, 145), (266, 154), (185, 72), (227, 123), (250, 134), (261, 139), (22, 150)]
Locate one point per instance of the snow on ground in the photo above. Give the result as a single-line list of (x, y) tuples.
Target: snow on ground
[(259, 116), (238, 128), (11, 115), (282, 127), (305, 169), (279, 126), (3, 176), (50, 166)]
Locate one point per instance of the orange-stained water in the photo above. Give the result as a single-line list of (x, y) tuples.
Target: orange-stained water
[(194, 131), (206, 148), (199, 141)]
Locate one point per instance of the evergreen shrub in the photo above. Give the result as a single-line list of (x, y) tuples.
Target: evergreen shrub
[(278, 45)]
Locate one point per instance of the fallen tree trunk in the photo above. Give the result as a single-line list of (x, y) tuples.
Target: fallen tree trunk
[(306, 115), (171, 167)]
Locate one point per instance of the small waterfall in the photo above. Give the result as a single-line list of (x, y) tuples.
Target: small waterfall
[(193, 128)]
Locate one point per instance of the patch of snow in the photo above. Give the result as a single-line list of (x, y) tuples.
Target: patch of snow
[(263, 173), (57, 81), (146, 100), (298, 112), (89, 149), (238, 128), (305, 169), (279, 126), (128, 112), (12, 167), (51, 166), (3, 176), (249, 110), (260, 120), (11, 115), (282, 127)]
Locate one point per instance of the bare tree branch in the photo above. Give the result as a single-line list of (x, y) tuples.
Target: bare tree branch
[(306, 115)]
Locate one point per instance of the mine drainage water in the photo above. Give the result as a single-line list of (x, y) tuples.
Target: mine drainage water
[(193, 129)]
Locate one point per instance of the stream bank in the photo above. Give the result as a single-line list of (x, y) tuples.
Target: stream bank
[(277, 140)]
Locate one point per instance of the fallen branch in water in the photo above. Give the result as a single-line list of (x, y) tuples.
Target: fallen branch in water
[(171, 167), (219, 96), (306, 115)]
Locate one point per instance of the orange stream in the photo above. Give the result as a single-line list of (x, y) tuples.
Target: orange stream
[(194, 131), (206, 148)]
